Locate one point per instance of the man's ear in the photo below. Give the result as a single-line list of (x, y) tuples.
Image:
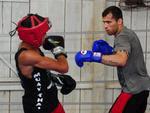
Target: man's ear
[(120, 21)]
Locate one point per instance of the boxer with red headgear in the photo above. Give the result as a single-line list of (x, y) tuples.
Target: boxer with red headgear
[(32, 28), (41, 95)]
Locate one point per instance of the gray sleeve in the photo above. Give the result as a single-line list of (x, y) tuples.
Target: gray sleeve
[(122, 43)]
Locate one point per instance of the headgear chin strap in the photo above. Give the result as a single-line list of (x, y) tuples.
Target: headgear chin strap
[(32, 28)]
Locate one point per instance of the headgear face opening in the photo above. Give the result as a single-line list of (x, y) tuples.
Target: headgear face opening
[(32, 29)]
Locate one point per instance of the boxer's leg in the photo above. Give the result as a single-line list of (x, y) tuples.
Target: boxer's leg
[(138, 103), (120, 103)]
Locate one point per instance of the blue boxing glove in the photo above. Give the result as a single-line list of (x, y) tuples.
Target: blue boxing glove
[(103, 47), (87, 56)]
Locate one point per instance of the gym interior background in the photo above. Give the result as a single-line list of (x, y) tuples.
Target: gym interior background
[(79, 21)]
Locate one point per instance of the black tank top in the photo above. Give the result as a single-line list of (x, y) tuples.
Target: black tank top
[(39, 97)]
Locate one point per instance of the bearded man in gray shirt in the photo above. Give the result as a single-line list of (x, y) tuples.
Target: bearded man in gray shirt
[(129, 60), (127, 56)]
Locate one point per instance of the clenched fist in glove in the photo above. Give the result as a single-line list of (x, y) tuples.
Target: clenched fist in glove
[(87, 56), (65, 81), (55, 43), (103, 47)]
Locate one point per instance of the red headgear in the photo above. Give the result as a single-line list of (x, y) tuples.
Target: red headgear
[(32, 28)]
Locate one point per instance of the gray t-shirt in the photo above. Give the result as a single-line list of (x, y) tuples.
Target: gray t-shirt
[(133, 77)]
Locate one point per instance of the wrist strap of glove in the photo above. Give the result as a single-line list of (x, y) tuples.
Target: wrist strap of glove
[(97, 57), (59, 51)]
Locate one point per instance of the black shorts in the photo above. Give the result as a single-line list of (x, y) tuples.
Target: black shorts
[(130, 103)]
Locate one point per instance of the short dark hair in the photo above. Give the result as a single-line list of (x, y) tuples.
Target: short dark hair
[(115, 11)]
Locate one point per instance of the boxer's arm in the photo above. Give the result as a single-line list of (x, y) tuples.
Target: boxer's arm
[(31, 58), (117, 59)]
